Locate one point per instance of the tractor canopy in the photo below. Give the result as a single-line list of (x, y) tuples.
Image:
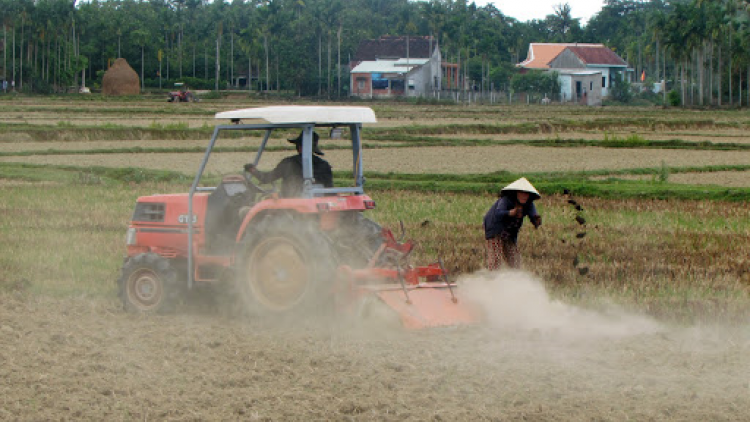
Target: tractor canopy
[(306, 119)]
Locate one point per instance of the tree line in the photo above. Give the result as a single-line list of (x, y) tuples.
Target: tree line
[(304, 46)]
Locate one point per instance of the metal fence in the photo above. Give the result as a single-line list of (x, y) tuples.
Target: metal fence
[(493, 97)]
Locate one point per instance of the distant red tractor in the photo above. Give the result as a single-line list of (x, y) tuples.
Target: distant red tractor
[(182, 96), (282, 254)]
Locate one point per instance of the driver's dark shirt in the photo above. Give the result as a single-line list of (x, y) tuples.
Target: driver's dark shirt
[(290, 171)]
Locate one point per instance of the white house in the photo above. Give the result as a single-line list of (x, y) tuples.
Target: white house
[(576, 64)]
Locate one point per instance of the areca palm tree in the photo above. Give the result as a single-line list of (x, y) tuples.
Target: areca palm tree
[(658, 23), (677, 39), (563, 20)]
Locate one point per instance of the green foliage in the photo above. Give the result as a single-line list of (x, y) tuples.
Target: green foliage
[(93, 175), (42, 86), (622, 92), (664, 172), (192, 83), (611, 140), (169, 126), (88, 178), (213, 95), (501, 75), (430, 101), (300, 46), (536, 82), (673, 98)]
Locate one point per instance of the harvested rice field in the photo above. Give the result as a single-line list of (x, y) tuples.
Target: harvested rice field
[(735, 179), (452, 160), (83, 146), (39, 131), (719, 136), (655, 328)]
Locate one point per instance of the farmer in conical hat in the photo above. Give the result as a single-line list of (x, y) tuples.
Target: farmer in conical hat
[(503, 221)]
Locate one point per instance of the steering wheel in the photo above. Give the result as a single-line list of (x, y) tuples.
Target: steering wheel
[(249, 179)]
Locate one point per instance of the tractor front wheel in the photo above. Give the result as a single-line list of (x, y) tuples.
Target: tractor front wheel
[(148, 283)]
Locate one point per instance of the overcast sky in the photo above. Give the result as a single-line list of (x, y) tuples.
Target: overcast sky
[(526, 10)]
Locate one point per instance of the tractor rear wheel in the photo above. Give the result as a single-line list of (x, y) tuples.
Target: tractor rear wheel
[(148, 283), (286, 268), (357, 239)]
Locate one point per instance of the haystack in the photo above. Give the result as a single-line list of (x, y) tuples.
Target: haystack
[(121, 79)]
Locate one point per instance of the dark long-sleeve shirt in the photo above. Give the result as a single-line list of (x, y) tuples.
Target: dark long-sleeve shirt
[(290, 171), (499, 222)]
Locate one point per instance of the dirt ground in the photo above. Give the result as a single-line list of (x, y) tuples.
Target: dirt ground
[(532, 359)]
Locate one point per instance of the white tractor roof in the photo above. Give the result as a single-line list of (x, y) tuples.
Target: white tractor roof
[(303, 114)]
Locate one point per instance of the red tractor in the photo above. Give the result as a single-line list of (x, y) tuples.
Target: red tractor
[(182, 96), (282, 254)]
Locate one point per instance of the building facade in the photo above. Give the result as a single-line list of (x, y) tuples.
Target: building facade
[(396, 66), (590, 69)]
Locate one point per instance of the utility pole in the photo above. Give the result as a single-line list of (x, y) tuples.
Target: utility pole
[(160, 56), (218, 65), (218, 47), (5, 54), (13, 81), (338, 61)]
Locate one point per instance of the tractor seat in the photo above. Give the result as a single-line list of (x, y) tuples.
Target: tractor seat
[(222, 219)]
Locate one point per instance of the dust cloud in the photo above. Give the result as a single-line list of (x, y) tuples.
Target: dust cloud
[(516, 300)]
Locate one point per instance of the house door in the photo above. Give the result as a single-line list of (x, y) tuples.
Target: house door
[(578, 90)]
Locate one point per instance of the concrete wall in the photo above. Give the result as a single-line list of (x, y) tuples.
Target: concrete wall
[(566, 88), (583, 89), (419, 81), (607, 75), (436, 68), (591, 89)]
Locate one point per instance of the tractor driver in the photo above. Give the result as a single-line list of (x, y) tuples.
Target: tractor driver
[(290, 170)]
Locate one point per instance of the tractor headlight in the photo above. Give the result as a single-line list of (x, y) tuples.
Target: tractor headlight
[(132, 236)]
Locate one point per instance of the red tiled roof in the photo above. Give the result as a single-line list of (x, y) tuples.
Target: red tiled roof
[(542, 54), (597, 55), (394, 47)]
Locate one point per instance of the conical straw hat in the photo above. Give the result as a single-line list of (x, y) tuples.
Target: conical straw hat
[(522, 185)]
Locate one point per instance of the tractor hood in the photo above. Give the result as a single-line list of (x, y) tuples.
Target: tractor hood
[(169, 209)]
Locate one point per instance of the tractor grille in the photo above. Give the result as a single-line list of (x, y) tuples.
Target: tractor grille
[(168, 253), (149, 212)]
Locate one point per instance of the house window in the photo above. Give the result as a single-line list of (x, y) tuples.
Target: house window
[(380, 83), (604, 81), (591, 86), (361, 83)]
